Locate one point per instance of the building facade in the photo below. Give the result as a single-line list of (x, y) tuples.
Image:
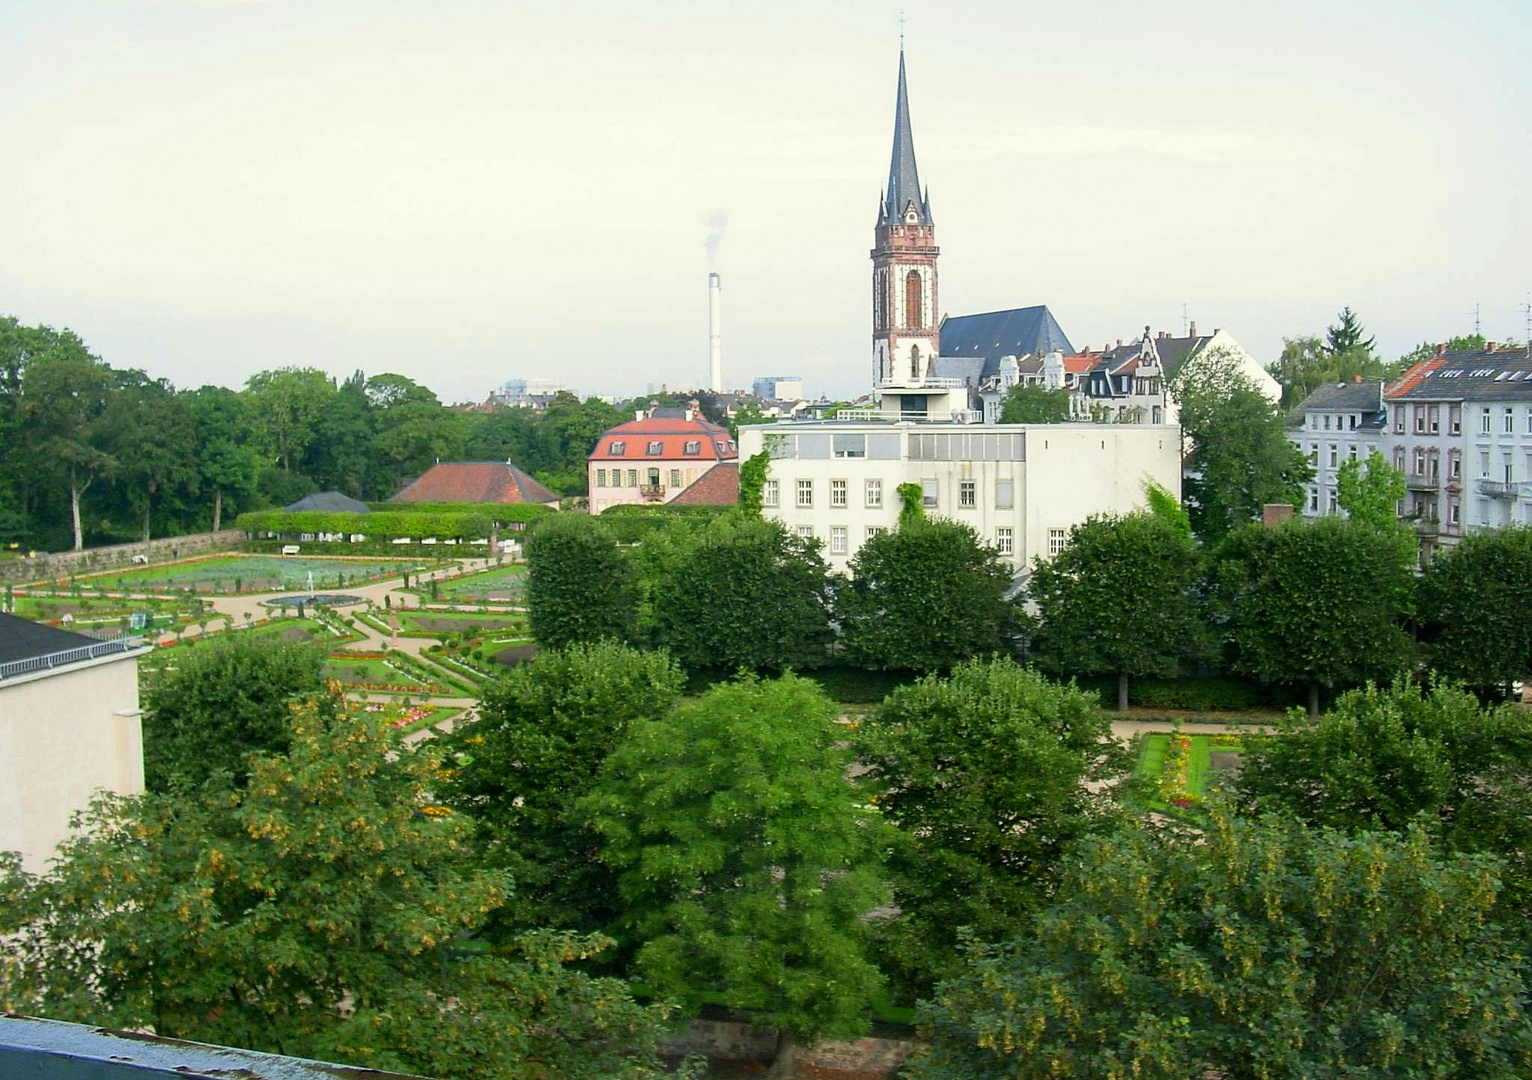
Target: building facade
[(1021, 487), (655, 457), (69, 726), (1337, 423)]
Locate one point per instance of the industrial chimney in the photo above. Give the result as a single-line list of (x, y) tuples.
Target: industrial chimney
[(715, 330)]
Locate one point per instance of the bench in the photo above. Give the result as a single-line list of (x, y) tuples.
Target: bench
[(289, 549)]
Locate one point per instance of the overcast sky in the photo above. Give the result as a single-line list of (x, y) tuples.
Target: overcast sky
[(464, 191)]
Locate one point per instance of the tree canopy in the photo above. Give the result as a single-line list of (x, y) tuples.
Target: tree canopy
[(1473, 608), (1026, 404), (580, 587)]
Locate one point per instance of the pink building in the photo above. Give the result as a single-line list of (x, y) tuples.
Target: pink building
[(655, 458)]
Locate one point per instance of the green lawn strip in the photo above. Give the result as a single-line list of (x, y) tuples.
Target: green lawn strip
[(99, 611), (1152, 761), (387, 673), (371, 618), (431, 622), (467, 684), (504, 583), (452, 664)]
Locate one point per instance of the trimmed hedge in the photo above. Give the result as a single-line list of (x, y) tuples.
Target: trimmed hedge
[(379, 548), (504, 513), (1199, 694), (382, 523), (631, 522)]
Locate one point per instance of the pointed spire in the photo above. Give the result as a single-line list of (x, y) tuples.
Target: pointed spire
[(903, 178)]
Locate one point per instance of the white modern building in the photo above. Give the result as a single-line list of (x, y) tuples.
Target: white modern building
[(69, 727), (1337, 423), (1021, 487)]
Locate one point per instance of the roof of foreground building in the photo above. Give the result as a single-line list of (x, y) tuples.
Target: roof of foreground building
[(476, 482)]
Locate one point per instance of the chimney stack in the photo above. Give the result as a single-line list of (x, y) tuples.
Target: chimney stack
[(715, 330), (1191, 330)]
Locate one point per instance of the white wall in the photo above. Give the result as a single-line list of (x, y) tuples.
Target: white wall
[(63, 735)]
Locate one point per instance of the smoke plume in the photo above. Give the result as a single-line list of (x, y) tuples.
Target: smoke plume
[(716, 221)]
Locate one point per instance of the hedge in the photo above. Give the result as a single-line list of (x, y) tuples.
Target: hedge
[(382, 523), (631, 522), (1200, 694), (504, 513)]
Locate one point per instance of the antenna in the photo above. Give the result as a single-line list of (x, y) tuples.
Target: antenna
[(1475, 320), (1184, 329), (901, 30), (1526, 311)]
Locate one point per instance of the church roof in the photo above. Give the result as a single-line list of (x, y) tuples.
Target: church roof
[(903, 189), (994, 334)]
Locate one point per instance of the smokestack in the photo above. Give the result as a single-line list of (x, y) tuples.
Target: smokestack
[(715, 330)]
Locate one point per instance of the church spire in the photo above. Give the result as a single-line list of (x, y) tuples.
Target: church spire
[(904, 192)]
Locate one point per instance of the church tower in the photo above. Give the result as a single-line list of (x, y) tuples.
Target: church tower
[(905, 334)]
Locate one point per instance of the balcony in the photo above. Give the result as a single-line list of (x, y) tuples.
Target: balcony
[(1499, 489), (651, 491), (1422, 482), (1428, 527)]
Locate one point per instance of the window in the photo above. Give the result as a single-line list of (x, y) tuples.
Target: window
[(968, 494), (837, 539), (849, 446), (1484, 421), (617, 448), (1508, 467), (1420, 419), (1004, 542), (1420, 461), (769, 493), (692, 448), (1455, 418), (1314, 454), (805, 493), (655, 448), (838, 494), (675, 478), (1484, 464), (1313, 500), (1333, 458), (874, 530), (1334, 504), (873, 493), (1399, 458), (914, 301), (806, 531), (1327, 421), (1398, 419), (1056, 541), (1005, 494), (930, 492), (1454, 513), (1509, 423), (1435, 414), (1454, 465), (601, 478), (633, 478), (1351, 451)]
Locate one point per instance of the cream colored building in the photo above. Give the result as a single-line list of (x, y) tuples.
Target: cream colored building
[(1021, 487), (69, 726)]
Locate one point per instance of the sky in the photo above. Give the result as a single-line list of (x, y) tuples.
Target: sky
[(465, 191)]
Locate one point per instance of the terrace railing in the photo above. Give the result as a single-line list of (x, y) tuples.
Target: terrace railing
[(48, 661)]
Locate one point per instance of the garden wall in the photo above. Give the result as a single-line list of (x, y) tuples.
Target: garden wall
[(64, 563), (854, 1059)]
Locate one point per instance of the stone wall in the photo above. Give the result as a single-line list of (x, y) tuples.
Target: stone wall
[(855, 1059), (91, 560)]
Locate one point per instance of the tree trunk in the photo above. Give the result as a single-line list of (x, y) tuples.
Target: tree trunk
[(74, 509), (1122, 691), (785, 1065), (217, 507), (147, 510), (1313, 699)]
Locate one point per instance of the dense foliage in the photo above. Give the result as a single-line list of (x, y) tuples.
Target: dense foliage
[(1473, 608), (1255, 949), (1029, 404), (925, 597), (316, 911), (580, 587), (993, 776)]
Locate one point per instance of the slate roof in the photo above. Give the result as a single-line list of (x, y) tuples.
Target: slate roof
[(719, 486), (903, 188), (714, 443), (23, 639), (1175, 351), (1470, 375), (330, 501), (993, 334), (1359, 397), (476, 482)]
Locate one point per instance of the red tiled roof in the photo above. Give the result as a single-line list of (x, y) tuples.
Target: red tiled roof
[(668, 438), (719, 486), (1080, 365), (476, 482), (1411, 379)]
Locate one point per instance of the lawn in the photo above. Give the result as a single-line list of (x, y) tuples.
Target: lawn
[(502, 585), (251, 574), (389, 673), (413, 622), (1181, 769), (94, 613)]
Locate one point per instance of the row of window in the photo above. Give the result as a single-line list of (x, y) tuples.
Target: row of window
[(1341, 421), (652, 478), (1005, 538), (1427, 419), (872, 494), (656, 448)]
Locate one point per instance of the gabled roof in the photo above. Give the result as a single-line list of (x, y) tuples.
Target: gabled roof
[(671, 436), (903, 191), (1470, 375), (23, 639), (1365, 396), (330, 501), (1175, 351), (476, 482), (1013, 332), (719, 486)]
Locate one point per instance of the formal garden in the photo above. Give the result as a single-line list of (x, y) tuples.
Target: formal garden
[(235, 574), (501, 585), (1179, 771)]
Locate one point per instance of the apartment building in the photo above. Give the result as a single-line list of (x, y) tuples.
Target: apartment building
[(1021, 487), (1337, 423)]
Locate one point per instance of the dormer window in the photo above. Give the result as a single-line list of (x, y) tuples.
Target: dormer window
[(617, 448), (655, 448), (692, 448)]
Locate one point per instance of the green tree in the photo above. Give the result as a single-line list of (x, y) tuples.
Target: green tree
[(1307, 363), (285, 406), (317, 911), (64, 394), (1391, 758), (580, 587), (1250, 949), (226, 462), (152, 437), (1427, 349), (1346, 335), (414, 430), (346, 456), (924, 598), (543, 732), (753, 472), (993, 777), (1121, 599), (747, 594), (1316, 602), (1370, 491), (747, 861), (1239, 447), (1026, 404), (1473, 608), (221, 702)]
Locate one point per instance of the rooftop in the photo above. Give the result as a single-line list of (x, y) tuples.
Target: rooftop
[(476, 482), (1359, 396), (27, 646), (1013, 332), (1470, 375)]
